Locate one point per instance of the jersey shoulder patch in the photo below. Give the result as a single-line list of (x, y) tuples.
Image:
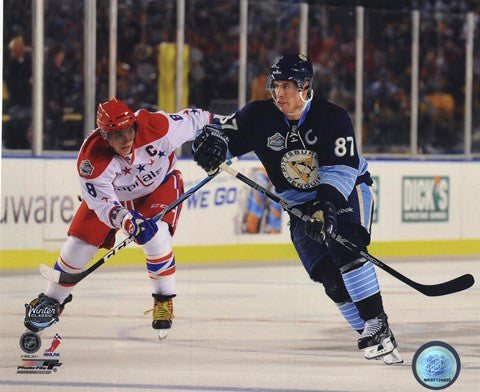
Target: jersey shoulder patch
[(150, 127), (94, 157)]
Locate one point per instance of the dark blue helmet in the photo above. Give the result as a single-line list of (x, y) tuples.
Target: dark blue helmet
[(295, 67)]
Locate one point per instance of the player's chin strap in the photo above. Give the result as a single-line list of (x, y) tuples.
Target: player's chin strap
[(458, 284), (305, 102), (69, 278)]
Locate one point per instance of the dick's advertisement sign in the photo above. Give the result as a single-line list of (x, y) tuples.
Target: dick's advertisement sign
[(425, 199)]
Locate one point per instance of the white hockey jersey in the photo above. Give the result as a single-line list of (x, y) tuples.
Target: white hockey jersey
[(107, 178)]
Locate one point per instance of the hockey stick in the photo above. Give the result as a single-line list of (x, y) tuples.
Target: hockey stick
[(452, 286), (69, 278)]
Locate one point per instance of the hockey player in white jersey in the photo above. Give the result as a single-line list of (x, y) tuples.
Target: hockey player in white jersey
[(127, 175)]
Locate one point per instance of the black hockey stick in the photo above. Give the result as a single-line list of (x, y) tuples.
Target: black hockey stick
[(452, 286), (73, 278)]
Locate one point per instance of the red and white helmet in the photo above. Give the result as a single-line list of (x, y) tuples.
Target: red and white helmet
[(114, 115)]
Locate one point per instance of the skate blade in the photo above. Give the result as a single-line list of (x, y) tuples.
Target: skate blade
[(379, 350), (162, 334), (394, 358)]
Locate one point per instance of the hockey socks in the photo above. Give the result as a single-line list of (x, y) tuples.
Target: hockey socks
[(377, 339), (350, 313), (364, 290), (361, 282)]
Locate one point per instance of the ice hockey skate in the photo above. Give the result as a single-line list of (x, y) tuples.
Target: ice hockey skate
[(377, 339), (394, 358), (162, 314), (43, 311)]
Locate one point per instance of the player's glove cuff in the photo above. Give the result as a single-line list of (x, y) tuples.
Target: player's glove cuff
[(117, 215), (136, 225), (210, 148), (128, 224)]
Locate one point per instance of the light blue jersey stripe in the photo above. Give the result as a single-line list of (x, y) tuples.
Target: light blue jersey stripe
[(362, 282), (362, 165), (366, 205), (294, 197), (341, 177)]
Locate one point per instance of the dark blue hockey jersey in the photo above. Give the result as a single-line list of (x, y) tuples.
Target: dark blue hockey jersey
[(312, 158)]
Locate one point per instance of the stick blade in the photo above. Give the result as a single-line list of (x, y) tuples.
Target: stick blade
[(49, 273), (453, 286)]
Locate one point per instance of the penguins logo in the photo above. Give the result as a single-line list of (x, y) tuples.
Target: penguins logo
[(300, 168)]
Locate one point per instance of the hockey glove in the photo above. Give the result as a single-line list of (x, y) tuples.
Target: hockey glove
[(210, 148), (324, 223), (134, 224)]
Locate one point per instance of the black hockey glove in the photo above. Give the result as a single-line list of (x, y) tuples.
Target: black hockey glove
[(324, 223), (210, 148)]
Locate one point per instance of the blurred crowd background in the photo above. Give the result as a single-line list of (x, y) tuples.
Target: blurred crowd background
[(211, 33)]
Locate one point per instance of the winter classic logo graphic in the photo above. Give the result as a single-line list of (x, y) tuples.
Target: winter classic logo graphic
[(41, 313), (436, 365), (276, 142), (425, 199), (86, 168)]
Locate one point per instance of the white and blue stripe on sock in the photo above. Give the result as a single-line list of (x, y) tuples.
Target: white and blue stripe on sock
[(362, 282), (350, 313)]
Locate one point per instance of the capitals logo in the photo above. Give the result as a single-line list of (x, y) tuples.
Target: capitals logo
[(300, 168)]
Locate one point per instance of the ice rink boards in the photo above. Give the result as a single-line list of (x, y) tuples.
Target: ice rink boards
[(238, 327)]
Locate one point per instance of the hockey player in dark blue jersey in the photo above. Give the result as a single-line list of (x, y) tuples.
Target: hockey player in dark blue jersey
[(307, 146)]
